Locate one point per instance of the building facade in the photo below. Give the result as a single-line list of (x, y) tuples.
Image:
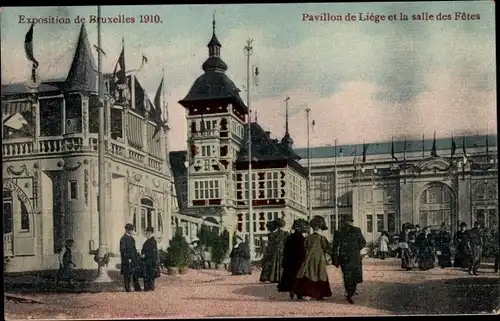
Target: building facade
[(212, 176), (50, 166), (427, 183)]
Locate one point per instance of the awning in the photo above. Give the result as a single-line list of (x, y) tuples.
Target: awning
[(12, 108)]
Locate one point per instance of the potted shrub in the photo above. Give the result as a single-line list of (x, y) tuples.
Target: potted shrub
[(177, 256), (220, 248)]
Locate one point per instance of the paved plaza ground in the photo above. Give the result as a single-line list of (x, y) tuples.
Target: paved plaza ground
[(386, 291)]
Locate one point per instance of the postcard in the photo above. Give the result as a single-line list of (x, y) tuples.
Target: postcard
[(250, 160)]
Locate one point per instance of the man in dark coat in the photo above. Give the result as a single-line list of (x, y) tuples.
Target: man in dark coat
[(348, 241), (150, 258), (475, 246), (129, 258), (294, 255), (461, 253)]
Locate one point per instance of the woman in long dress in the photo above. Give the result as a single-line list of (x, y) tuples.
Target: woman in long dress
[(404, 247), (443, 249), (266, 260), (312, 278), (426, 243), (275, 254), (461, 254), (294, 255), (383, 245), (240, 257)]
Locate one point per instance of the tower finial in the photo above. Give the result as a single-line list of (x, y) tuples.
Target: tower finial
[(213, 23), (286, 115)]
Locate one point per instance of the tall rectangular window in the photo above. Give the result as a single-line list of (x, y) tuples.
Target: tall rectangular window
[(369, 223), (380, 222), (73, 190), (391, 222)]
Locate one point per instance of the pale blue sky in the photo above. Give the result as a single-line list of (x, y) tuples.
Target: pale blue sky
[(390, 79)]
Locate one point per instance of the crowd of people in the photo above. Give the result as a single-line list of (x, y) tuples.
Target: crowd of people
[(297, 261), (419, 248)]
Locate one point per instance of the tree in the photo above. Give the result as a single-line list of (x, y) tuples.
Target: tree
[(220, 247)]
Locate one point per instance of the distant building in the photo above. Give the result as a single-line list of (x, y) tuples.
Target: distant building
[(50, 166), (386, 191), (212, 177)]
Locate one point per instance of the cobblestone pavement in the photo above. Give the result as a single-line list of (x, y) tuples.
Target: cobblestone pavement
[(386, 291)]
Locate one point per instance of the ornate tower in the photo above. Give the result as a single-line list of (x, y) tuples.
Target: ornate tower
[(216, 118)]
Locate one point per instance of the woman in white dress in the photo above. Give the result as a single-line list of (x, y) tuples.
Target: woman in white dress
[(383, 245)]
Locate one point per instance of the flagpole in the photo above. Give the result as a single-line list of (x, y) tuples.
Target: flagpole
[(336, 191), (309, 201), (248, 51), (102, 276), (404, 162)]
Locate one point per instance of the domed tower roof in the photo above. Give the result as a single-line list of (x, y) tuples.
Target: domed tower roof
[(214, 83)]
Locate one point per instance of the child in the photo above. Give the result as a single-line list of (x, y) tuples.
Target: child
[(383, 245), (66, 264)]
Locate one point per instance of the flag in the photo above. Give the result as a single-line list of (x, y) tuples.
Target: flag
[(487, 147), (423, 146), (119, 84), (255, 76), (434, 151), (464, 151), (365, 147), (392, 151), (192, 148), (355, 155), (119, 74), (202, 125), (313, 123), (157, 110), (28, 48), (453, 146), (143, 62)]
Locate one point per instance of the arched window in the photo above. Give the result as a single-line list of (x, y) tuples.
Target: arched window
[(147, 214), (436, 206)]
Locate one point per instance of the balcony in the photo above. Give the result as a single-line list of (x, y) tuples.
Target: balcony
[(207, 133), (19, 147)]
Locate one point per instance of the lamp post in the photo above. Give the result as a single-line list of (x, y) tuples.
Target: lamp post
[(309, 187), (102, 276), (248, 49), (336, 190)]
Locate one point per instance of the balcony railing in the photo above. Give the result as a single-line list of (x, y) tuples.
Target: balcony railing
[(58, 144), (207, 133)]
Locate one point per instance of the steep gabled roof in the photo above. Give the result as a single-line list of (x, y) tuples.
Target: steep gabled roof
[(82, 76), (264, 148)]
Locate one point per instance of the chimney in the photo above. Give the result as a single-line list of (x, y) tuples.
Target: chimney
[(268, 134)]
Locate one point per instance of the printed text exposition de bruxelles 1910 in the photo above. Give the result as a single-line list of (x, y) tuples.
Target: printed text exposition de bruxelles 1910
[(118, 19), (376, 18)]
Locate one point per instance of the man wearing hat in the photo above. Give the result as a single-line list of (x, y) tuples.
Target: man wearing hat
[(150, 258), (348, 242), (129, 258), (475, 246)]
